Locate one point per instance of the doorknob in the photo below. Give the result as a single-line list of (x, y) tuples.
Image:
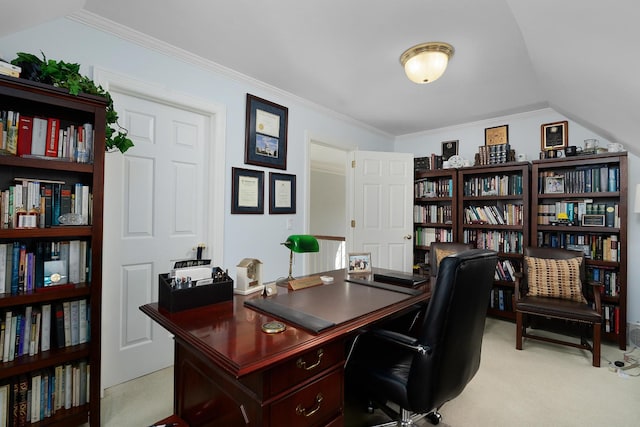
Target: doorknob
[(408, 237)]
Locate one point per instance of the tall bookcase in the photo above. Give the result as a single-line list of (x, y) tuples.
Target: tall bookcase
[(434, 211), (494, 214), (592, 192), (35, 371)]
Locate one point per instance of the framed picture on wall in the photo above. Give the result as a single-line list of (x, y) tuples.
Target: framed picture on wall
[(449, 148), (282, 193), (496, 135), (247, 191), (554, 136), (265, 133)]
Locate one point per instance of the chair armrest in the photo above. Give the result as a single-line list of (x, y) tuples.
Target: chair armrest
[(597, 288), (400, 340), (518, 280)]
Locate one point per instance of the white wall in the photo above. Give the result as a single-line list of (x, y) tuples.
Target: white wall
[(524, 137), (246, 236)]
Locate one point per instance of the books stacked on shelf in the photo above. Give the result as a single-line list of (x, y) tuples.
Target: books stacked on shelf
[(610, 318), (494, 154), (608, 213), (427, 188), (35, 203), (41, 394), (40, 328), (45, 137), (29, 266), (585, 179), (495, 185), (501, 299), (8, 69), (436, 214), (597, 246), (508, 214), (425, 236), (499, 241), (505, 271)]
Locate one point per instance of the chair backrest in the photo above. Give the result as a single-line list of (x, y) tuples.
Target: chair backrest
[(452, 327), (439, 250), (553, 254)]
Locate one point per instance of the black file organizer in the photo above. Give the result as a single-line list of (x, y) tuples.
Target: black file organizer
[(183, 299)]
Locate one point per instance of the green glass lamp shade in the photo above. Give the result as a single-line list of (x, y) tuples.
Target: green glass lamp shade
[(301, 243)]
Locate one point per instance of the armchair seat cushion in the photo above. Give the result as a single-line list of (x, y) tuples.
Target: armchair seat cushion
[(559, 308)]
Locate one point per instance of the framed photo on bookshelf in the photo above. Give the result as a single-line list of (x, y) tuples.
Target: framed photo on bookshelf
[(554, 184), (554, 136), (266, 133), (247, 191), (496, 135), (449, 148), (282, 193)]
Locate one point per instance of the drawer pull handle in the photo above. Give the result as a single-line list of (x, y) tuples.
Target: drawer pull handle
[(303, 411), (303, 365)]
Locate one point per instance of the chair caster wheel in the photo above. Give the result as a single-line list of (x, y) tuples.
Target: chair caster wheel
[(434, 418), (370, 408)]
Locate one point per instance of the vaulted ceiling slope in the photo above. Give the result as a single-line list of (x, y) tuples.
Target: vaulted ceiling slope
[(576, 56)]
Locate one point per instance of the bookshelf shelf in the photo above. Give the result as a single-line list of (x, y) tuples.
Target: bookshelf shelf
[(26, 368)]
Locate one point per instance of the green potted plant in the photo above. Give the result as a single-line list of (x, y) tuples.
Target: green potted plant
[(67, 75)]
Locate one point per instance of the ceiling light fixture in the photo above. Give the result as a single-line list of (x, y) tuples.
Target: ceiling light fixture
[(426, 62)]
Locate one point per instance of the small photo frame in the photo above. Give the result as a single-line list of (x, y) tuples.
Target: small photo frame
[(282, 193), (265, 133), (359, 263), (449, 148), (554, 136), (496, 135), (589, 220), (554, 184), (247, 191)]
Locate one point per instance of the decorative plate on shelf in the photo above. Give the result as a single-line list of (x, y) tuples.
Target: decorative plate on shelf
[(456, 161)]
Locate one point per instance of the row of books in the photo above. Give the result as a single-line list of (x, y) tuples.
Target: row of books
[(39, 328), (611, 318), (576, 209), (432, 213), (425, 236), (494, 154), (495, 185), (501, 299), (609, 279), (8, 69), (508, 214), (33, 203), (45, 137), (499, 241), (41, 394), (442, 187), (595, 246), (506, 271), (586, 179), (31, 266)]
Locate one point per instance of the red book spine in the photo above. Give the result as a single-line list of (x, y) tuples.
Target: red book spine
[(25, 130), (53, 126)]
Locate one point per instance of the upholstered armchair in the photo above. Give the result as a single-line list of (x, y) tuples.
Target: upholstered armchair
[(553, 285)]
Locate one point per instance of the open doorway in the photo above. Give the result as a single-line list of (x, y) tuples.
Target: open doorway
[(328, 217)]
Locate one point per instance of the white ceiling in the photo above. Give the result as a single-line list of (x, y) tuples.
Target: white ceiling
[(576, 56)]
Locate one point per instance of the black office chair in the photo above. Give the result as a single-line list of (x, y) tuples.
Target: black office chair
[(419, 374)]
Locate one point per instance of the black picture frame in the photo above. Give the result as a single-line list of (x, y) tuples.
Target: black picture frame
[(496, 135), (282, 193), (247, 191), (449, 148), (266, 133), (554, 136)]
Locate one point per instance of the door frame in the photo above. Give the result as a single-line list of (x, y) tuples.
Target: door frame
[(216, 113)]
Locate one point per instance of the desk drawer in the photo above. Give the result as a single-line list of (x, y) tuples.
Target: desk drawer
[(305, 366), (314, 405)]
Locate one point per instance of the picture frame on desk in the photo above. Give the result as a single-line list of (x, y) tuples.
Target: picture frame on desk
[(554, 136), (247, 191), (282, 193), (359, 263), (265, 133)]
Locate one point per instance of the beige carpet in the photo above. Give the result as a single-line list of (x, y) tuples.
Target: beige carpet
[(542, 385)]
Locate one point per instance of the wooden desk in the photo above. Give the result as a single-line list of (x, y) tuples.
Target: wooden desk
[(228, 372)]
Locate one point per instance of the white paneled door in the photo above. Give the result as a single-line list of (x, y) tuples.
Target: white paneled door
[(383, 208), (156, 212)]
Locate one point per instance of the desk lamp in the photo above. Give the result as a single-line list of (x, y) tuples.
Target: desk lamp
[(299, 243)]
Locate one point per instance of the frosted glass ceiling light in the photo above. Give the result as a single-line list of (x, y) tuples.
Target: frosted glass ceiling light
[(426, 62)]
